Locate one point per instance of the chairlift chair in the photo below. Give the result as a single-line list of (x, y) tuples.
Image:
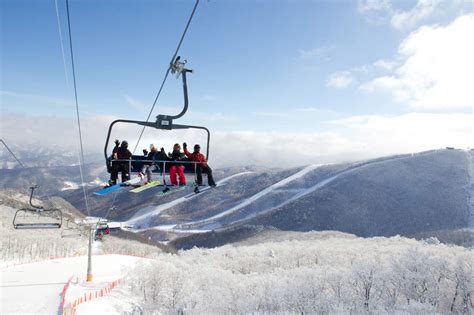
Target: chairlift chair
[(37, 217), (71, 230), (101, 230), (163, 122)]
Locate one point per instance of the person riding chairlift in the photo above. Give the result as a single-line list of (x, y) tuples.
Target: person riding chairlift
[(176, 169), (154, 155), (120, 153), (201, 167)]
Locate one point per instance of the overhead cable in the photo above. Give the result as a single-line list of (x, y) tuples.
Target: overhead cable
[(81, 162), (13, 154)]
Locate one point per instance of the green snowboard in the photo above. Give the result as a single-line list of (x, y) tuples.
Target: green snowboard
[(145, 187)]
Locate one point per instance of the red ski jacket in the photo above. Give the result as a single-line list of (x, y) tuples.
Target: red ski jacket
[(196, 157)]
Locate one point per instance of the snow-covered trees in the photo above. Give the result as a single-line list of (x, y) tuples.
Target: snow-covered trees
[(332, 275)]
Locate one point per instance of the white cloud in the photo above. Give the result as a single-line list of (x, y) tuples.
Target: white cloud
[(386, 11), (375, 11), (34, 98), (437, 68), (410, 18), (384, 64), (277, 149), (340, 79), (227, 148), (364, 6), (315, 53), (409, 132), (351, 138)]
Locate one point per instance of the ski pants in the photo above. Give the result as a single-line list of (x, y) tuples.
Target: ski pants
[(204, 169), (177, 170), (122, 167), (148, 169)]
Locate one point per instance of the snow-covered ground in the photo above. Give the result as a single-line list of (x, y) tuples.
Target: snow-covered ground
[(35, 288), (69, 185)]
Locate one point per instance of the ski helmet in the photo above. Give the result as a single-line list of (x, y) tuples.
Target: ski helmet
[(124, 144)]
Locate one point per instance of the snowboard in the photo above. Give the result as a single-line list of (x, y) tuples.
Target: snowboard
[(145, 187), (201, 191), (175, 189), (108, 190)]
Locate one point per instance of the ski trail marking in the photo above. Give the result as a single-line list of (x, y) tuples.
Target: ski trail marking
[(158, 209), (261, 194)]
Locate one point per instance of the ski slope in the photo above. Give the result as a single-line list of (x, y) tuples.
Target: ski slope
[(261, 194), (157, 210), (35, 288), (298, 193)]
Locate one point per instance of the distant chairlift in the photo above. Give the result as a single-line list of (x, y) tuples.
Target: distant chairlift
[(163, 122), (102, 228), (72, 229), (37, 217)]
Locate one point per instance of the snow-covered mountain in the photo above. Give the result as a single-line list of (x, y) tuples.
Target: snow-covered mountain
[(41, 156), (265, 269), (405, 195), (426, 192)]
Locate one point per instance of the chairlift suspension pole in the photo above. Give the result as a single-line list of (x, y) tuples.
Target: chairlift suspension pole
[(89, 256)]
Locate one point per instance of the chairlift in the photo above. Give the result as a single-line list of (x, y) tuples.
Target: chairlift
[(102, 228), (72, 229), (163, 122), (37, 217)]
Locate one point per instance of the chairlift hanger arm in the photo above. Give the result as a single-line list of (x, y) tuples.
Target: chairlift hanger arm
[(31, 198), (178, 68)]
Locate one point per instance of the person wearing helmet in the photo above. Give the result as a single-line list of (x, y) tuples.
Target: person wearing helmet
[(201, 167), (119, 154), (154, 156), (177, 169)]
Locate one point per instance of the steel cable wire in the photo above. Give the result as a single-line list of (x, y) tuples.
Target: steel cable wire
[(81, 162)]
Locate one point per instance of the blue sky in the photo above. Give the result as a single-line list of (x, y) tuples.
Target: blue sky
[(266, 68)]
